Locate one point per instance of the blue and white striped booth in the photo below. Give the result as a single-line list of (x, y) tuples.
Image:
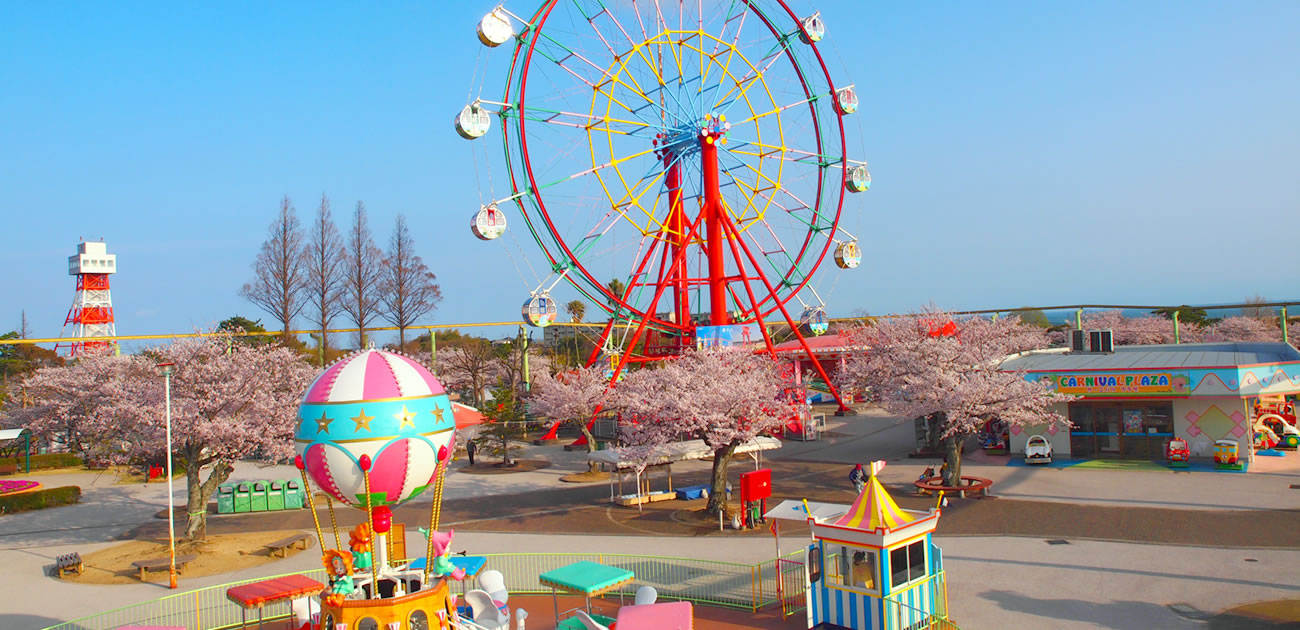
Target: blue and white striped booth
[(872, 566)]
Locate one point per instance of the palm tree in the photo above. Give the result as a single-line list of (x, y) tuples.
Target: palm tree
[(616, 287), (576, 309)]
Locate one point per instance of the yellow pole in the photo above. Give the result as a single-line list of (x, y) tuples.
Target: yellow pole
[(370, 519), (435, 515), (311, 503), (334, 524)]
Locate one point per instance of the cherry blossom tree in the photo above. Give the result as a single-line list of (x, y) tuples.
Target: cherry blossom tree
[(1147, 329), (928, 364), (75, 405), (723, 396), (573, 397), (1243, 328), (228, 402)]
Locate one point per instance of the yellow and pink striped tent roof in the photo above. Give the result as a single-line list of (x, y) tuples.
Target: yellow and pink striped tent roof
[(875, 509)]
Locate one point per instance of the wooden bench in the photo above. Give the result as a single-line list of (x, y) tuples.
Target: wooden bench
[(68, 564), (931, 485), (162, 564), (282, 546)]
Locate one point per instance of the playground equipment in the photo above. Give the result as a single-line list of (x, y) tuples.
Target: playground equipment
[(376, 430), (1038, 450), (712, 175), (1274, 430), (1177, 453), (1225, 455), (994, 437)]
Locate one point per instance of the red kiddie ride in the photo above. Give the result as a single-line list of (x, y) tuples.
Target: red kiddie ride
[(1177, 453)]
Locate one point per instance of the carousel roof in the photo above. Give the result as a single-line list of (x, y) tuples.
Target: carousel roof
[(875, 509), (373, 375)]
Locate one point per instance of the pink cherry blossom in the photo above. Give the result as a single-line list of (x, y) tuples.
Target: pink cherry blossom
[(228, 402), (916, 373), (723, 396)]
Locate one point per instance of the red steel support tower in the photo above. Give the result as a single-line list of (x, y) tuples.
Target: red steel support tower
[(91, 315)]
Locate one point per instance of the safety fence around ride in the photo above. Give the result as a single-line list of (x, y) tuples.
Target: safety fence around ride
[(703, 582)]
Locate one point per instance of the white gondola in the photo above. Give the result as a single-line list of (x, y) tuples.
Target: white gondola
[(815, 318), (540, 310), (857, 178), (1038, 450), (813, 29), (846, 101), (848, 255), (472, 122), (494, 29), (488, 223)]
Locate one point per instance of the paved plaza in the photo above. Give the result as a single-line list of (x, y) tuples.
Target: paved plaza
[(1118, 569)]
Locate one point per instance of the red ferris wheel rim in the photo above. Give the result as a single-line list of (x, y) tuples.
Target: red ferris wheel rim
[(617, 303)]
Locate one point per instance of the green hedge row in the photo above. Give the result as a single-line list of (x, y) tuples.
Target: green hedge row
[(39, 499), (48, 460)]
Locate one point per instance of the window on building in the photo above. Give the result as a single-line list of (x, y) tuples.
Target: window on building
[(418, 621), (907, 564), (854, 567)]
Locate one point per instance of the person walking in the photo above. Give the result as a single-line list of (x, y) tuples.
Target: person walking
[(859, 478), (470, 449)]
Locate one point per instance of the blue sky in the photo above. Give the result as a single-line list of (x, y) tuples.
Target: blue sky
[(1022, 152)]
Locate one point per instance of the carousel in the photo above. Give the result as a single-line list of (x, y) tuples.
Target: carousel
[(376, 430)]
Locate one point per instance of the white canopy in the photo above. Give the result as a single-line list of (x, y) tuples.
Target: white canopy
[(11, 434), (791, 510), (679, 451)]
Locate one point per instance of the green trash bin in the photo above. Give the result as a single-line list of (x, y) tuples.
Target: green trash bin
[(293, 498), (258, 497), (226, 498), (243, 498), (275, 495)]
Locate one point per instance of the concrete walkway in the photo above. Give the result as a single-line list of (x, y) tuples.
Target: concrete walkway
[(994, 582)]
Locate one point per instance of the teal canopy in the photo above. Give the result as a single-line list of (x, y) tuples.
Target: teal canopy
[(586, 578)]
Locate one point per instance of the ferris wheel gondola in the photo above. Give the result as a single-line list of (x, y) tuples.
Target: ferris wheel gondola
[(488, 223)]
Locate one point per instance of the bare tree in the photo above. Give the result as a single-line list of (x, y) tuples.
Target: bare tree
[(280, 271), (410, 290), (471, 365), (1258, 312), (325, 257), (362, 271)]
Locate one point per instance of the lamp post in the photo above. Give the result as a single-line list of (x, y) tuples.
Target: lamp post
[(166, 369)]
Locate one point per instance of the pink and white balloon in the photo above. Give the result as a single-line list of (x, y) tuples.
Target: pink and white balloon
[(380, 410)]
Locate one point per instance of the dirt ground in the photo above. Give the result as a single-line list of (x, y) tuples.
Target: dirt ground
[(220, 553)]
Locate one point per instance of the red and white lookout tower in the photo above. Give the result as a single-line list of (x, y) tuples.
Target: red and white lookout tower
[(91, 315)]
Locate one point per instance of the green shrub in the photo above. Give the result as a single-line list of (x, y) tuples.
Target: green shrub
[(39, 499), (48, 460)]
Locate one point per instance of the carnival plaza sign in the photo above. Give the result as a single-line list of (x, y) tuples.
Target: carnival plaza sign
[(1120, 383)]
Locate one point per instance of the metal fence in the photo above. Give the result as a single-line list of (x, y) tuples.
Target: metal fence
[(707, 582)]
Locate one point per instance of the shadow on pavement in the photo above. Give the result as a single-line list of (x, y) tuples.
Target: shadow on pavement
[(1116, 614), (24, 622)]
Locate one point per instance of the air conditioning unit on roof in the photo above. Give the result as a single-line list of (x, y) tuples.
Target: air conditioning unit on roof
[(1101, 340)]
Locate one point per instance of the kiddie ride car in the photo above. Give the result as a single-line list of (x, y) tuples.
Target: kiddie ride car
[(1177, 453), (1038, 450)]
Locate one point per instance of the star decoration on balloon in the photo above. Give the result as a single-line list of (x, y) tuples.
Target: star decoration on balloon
[(362, 420), (407, 418), (323, 423), (437, 413)]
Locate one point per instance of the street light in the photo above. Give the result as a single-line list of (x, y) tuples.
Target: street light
[(165, 370)]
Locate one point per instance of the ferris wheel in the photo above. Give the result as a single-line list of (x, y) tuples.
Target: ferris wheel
[(695, 151)]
